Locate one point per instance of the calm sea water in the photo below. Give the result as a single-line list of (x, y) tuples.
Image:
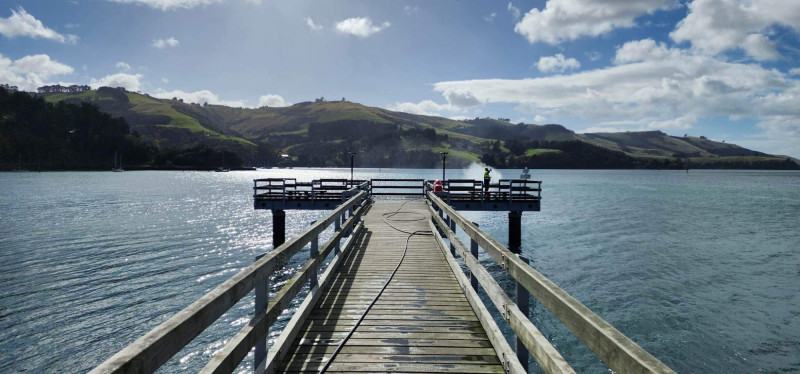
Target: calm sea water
[(701, 269)]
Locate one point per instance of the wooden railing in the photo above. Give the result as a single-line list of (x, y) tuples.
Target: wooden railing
[(401, 187), (615, 349), (290, 188), (152, 350), (503, 190)]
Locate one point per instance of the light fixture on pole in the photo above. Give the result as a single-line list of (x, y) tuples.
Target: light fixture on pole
[(352, 155), (444, 162)]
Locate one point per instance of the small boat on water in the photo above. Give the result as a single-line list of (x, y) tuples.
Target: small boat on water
[(117, 164), (222, 169)]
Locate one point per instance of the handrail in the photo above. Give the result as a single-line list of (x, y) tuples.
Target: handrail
[(152, 350), (545, 354), (226, 360), (615, 349), (420, 186)]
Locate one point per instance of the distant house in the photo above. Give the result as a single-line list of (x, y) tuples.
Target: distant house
[(9, 88)]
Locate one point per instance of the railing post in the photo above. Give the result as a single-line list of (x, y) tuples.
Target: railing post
[(523, 303), (337, 227), (515, 246), (453, 225), (473, 248), (262, 295), (312, 281)]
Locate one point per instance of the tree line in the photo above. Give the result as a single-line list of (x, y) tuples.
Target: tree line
[(37, 135)]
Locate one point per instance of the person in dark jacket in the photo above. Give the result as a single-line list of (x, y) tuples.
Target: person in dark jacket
[(486, 179)]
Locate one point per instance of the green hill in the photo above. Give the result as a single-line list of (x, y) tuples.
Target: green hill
[(156, 120), (321, 133)]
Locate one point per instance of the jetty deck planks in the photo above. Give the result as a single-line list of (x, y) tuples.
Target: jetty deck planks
[(422, 323)]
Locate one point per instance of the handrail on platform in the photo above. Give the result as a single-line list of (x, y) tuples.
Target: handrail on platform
[(614, 348), (152, 350), (397, 184)]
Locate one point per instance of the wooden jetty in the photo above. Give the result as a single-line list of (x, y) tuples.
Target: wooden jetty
[(393, 297)]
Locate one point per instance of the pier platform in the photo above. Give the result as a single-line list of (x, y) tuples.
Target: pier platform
[(422, 322)]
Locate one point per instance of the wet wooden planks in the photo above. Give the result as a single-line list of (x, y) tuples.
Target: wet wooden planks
[(422, 323)]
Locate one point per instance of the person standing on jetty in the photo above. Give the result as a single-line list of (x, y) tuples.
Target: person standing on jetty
[(486, 179)]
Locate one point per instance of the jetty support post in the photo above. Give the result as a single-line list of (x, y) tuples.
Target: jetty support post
[(473, 248), (522, 295), (278, 227)]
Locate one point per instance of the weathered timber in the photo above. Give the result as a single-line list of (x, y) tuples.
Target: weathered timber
[(421, 323), (544, 352), (618, 351), (152, 350)]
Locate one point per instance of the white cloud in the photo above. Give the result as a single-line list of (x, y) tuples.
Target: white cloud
[(200, 97), (410, 9), (169, 4), (361, 27), (715, 26), (593, 55), (795, 71), (562, 20), (644, 50), (685, 122), (425, 107), (458, 101), (164, 80), (313, 26), (122, 66), (490, 18), (515, 12), (32, 71), (652, 87), (460, 118), (557, 63), (21, 23), (760, 47), (539, 119), (460, 98), (273, 101), (164, 43), (131, 82)]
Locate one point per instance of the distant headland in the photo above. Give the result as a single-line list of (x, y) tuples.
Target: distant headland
[(79, 128)]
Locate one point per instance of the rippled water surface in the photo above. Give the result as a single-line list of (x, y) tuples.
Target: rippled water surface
[(701, 269)]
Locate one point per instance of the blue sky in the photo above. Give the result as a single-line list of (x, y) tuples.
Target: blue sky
[(721, 68)]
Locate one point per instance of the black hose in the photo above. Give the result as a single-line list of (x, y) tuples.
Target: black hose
[(374, 300)]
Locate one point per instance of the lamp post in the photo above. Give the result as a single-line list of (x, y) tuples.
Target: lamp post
[(352, 155), (444, 162)]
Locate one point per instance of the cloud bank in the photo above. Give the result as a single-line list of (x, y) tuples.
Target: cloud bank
[(20, 23), (169, 4), (32, 71), (563, 20)]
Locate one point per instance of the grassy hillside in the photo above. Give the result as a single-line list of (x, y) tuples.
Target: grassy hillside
[(321, 134), (158, 121)]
